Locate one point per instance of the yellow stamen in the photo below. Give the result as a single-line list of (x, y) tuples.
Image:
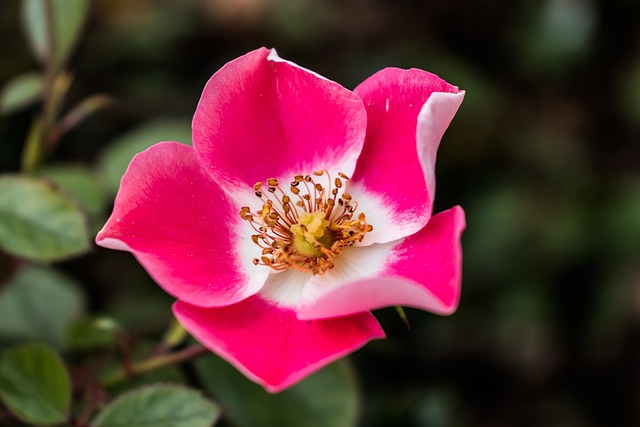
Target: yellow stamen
[(309, 232)]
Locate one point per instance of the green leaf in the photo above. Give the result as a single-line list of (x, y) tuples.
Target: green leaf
[(39, 222), (116, 157), (67, 19), (159, 406), (39, 304), (99, 332), (558, 34), (327, 398), (20, 92), (79, 181), (34, 384)]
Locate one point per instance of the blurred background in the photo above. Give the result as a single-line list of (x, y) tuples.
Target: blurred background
[(544, 155)]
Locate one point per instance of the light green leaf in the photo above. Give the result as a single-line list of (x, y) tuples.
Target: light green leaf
[(67, 18), (116, 157), (327, 398), (33, 153), (79, 181), (39, 222), (20, 92), (34, 384), (39, 303), (162, 405)]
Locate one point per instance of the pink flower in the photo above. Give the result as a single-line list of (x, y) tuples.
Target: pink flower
[(301, 207)]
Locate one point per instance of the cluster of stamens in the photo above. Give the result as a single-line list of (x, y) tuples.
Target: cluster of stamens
[(307, 229)]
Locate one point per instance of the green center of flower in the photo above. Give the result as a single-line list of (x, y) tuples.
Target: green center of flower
[(308, 229)]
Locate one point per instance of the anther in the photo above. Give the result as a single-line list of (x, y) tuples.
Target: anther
[(272, 182)]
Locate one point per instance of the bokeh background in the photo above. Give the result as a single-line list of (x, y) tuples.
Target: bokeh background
[(544, 155)]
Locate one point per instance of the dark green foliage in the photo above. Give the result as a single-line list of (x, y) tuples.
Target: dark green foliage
[(543, 156)]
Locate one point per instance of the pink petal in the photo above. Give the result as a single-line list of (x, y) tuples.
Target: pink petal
[(178, 223), (394, 184), (261, 117), (269, 344), (422, 271)]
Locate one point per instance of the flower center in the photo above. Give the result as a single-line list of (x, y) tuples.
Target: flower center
[(306, 230)]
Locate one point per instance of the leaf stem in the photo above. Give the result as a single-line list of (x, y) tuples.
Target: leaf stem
[(152, 363), (96, 397), (174, 336)]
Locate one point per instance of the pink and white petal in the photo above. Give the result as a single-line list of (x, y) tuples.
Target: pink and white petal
[(285, 288), (423, 271), (269, 345), (407, 114), (179, 224), (261, 117)]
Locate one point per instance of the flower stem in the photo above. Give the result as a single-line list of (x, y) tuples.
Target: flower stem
[(151, 364)]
